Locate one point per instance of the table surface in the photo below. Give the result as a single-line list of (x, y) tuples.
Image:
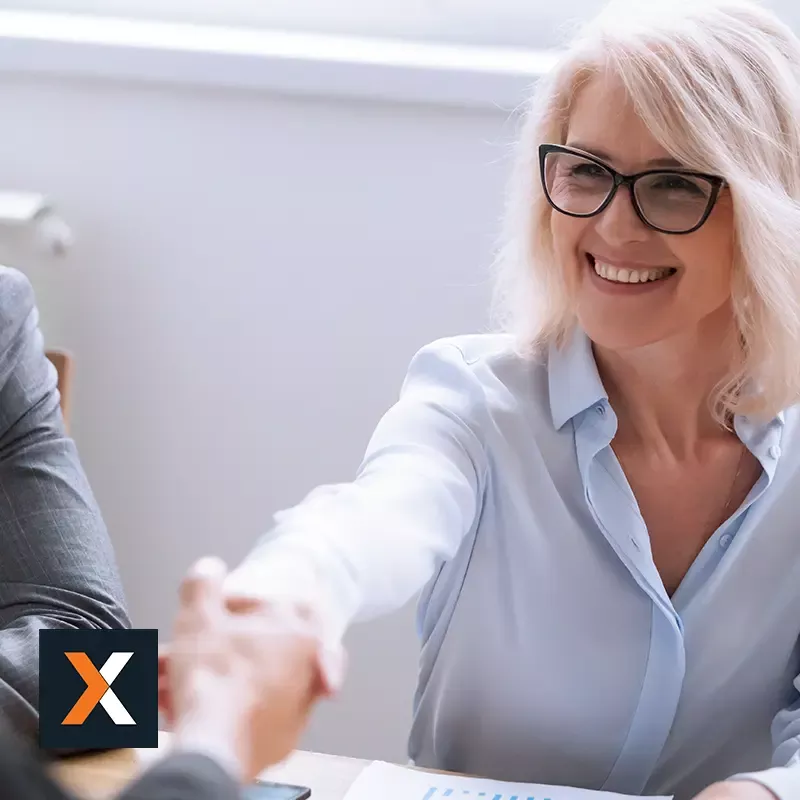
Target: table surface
[(101, 776)]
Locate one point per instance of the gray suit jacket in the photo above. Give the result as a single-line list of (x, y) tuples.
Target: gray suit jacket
[(25, 775), (57, 566)]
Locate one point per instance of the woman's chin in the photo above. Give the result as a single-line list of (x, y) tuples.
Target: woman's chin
[(615, 333)]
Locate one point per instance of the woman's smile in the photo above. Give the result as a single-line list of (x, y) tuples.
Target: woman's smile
[(628, 279)]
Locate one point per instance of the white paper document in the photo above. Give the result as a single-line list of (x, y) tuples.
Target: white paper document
[(380, 781)]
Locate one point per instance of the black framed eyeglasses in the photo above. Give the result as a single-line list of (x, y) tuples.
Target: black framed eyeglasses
[(669, 201)]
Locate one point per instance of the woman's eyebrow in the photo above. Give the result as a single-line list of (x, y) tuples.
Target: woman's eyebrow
[(664, 161)]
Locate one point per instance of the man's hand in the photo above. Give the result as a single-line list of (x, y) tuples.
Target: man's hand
[(331, 659), (736, 790), (240, 677)]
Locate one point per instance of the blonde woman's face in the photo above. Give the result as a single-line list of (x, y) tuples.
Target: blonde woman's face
[(693, 271)]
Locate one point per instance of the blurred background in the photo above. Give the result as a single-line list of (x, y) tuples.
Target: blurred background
[(273, 205)]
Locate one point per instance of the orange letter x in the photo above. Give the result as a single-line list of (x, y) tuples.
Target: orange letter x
[(96, 687)]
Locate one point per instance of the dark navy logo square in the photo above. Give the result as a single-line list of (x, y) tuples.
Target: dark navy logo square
[(98, 689)]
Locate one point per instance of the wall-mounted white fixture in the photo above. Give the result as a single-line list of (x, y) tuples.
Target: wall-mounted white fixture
[(35, 213)]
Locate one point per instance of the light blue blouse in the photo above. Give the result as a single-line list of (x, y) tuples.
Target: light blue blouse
[(551, 651)]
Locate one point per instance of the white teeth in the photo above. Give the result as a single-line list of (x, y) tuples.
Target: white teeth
[(622, 275)]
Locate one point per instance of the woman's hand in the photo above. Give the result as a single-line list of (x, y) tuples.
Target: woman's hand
[(241, 675), (736, 790)]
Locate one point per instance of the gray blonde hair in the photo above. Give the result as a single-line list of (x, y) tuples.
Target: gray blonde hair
[(717, 82)]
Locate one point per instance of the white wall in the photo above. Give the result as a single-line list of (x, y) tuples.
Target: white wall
[(251, 277)]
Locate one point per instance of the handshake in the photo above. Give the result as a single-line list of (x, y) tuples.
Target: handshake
[(240, 676)]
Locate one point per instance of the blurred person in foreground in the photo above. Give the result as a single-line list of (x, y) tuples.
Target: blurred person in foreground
[(58, 569), (241, 686), (601, 503)]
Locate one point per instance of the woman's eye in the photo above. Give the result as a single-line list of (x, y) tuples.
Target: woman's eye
[(588, 171), (677, 183)]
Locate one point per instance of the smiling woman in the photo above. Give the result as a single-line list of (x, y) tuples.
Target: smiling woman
[(651, 118), (620, 238), (601, 501)]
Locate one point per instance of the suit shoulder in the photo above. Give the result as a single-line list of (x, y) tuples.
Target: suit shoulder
[(16, 302), (20, 338)]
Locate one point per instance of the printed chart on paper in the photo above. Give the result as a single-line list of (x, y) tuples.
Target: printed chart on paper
[(381, 781)]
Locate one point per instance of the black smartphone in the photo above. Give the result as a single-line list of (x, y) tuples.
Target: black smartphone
[(262, 790)]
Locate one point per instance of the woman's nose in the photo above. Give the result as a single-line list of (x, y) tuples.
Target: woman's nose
[(618, 222)]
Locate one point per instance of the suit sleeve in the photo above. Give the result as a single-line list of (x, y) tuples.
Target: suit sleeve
[(184, 776), (57, 566), (25, 775)]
